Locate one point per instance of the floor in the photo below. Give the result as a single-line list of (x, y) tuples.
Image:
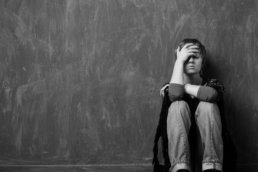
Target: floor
[(74, 168), (98, 168)]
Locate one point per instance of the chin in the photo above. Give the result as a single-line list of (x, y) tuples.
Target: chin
[(190, 73)]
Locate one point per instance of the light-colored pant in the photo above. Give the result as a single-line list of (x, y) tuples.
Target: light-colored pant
[(207, 117)]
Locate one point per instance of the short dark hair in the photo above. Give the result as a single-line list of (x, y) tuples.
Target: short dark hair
[(196, 42)]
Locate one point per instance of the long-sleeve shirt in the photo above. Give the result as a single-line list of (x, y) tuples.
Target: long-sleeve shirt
[(207, 94)]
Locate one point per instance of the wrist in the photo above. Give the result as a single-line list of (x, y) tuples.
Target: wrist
[(186, 86), (179, 62)]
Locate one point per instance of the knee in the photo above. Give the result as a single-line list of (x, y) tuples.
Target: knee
[(178, 105), (207, 110), (178, 108), (208, 114), (207, 107)]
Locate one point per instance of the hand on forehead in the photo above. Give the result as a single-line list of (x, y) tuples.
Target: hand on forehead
[(191, 45)]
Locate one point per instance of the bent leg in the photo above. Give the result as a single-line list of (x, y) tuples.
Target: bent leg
[(209, 123), (178, 126)]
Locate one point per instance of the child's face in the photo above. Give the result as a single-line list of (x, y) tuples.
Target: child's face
[(193, 65)]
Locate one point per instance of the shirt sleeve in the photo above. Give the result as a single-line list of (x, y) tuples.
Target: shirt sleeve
[(207, 94), (176, 92)]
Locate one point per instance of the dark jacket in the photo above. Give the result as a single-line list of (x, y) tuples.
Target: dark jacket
[(161, 161)]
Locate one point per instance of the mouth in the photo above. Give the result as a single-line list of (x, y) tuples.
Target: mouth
[(190, 66)]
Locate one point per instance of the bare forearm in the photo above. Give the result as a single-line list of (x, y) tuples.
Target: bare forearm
[(177, 75), (191, 89)]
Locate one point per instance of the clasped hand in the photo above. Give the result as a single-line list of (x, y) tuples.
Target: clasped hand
[(162, 90)]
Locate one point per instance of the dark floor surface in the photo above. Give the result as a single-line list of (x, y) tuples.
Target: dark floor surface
[(98, 168)]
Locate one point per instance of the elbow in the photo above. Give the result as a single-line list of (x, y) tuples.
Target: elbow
[(213, 97), (175, 92), (208, 94), (175, 97)]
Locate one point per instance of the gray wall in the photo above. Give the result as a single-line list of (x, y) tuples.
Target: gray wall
[(80, 79)]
